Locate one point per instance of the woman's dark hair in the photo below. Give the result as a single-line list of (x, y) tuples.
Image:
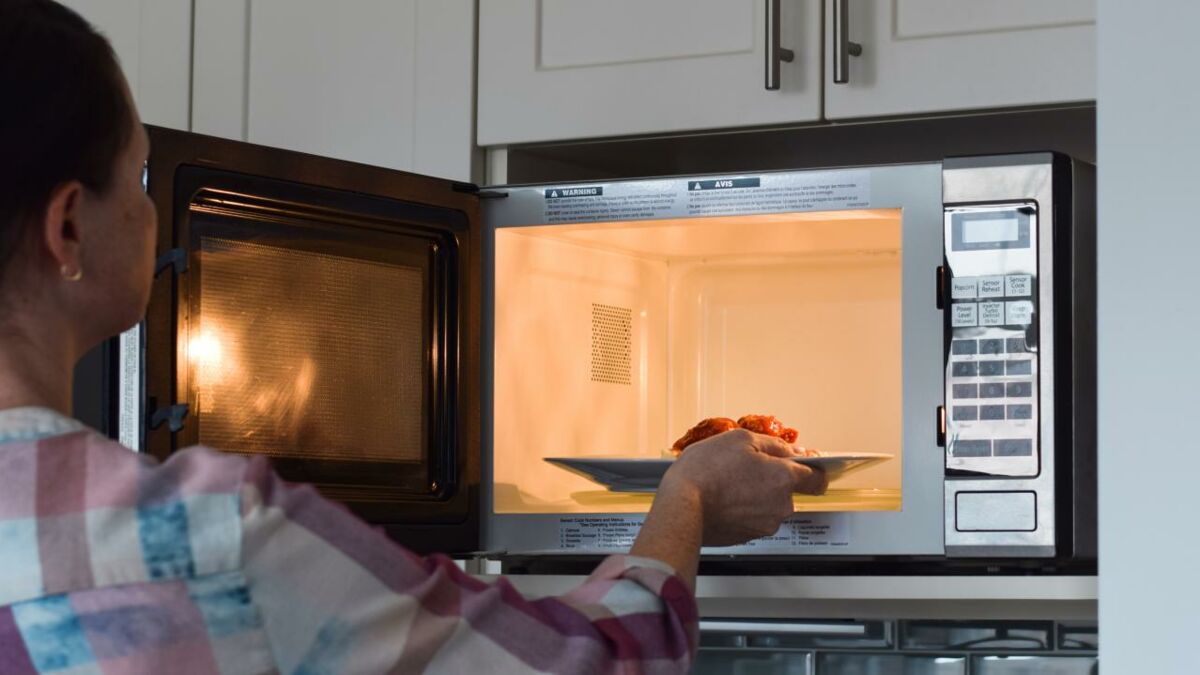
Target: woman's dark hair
[(65, 116)]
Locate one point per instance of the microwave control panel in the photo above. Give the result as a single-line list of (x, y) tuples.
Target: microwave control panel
[(990, 301)]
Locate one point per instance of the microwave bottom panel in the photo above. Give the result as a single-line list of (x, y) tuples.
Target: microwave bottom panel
[(807, 534)]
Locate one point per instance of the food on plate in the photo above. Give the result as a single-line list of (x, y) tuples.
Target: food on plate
[(769, 425), (705, 429), (760, 424)]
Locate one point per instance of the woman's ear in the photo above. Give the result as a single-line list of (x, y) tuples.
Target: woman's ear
[(61, 230)]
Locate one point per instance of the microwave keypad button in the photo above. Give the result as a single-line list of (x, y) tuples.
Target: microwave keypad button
[(991, 368), (1018, 285), (991, 287), (992, 390), (964, 315), (1014, 447), (973, 448), (1020, 412), (1016, 345), (1023, 367), (991, 346), (964, 368), (963, 288), (1019, 389), (965, 413), (966, 391), (991, 314), (1019, 313), (961, 347), (991, 412)]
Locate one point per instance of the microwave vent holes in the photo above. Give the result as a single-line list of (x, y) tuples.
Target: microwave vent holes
[(612, 344)]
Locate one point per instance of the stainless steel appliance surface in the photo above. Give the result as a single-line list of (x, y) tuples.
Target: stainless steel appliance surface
[(939, 312), (421, 349)]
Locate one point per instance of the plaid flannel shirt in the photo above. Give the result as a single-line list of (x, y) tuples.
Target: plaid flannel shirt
[(209, 563)]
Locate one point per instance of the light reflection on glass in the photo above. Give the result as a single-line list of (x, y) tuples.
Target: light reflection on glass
[(213, 363)]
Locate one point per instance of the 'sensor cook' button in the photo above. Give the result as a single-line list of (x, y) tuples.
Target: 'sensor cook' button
[(1017, 285)]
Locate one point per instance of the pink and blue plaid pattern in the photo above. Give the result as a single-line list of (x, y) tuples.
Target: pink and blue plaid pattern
[(208, 563)]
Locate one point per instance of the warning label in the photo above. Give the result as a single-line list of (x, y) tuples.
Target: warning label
[(563, 193), (683, 198), (836, 192), (723, 184), (594, 209)]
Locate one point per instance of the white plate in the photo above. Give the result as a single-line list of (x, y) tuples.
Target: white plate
[(621, 474)]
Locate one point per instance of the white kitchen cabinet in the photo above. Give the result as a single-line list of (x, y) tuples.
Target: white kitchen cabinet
[(567, 69), (383, 82), (153, 42), (921, 56)]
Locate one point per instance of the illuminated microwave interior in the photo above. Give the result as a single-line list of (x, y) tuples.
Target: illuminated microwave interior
[(612, 339)]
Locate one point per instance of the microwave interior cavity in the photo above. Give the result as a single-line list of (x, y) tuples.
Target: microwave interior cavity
[(613, 339)]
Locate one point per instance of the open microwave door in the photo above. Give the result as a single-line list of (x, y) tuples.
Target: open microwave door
[(323, 314)]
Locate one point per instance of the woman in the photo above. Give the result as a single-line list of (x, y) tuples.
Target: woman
[(209, 563)]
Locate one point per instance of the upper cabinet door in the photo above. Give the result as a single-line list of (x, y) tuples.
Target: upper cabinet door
[(566, 69), (382, 82), (921, 56), (153, 42)]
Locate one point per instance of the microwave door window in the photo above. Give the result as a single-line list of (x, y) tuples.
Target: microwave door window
[(303, 355)]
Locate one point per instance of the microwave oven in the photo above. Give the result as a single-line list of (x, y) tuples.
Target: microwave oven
[(489, 370)]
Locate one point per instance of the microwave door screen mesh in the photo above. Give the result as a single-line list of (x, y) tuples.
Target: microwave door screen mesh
[(307, 355)]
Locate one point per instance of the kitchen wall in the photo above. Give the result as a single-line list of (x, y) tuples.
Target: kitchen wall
[(1148, 140)]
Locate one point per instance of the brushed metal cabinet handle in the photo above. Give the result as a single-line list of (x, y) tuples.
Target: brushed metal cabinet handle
[(843, 48), (775, 55)]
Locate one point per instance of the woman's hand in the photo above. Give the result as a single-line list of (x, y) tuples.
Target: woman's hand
[(743, 482), (725, 490)]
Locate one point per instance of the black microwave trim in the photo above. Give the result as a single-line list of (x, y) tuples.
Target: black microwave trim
[(450, 523), (212, 203)]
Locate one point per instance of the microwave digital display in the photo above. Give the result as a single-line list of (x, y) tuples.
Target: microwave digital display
[(990, 230)]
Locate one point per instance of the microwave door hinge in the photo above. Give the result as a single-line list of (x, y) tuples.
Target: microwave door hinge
[(173, 415), (940, 426), (175, 258), (940, 282), (472, 189)]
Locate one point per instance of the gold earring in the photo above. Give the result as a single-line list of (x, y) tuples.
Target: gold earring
[(71, 276)]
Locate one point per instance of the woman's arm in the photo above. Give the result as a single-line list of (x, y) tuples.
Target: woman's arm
[(336, 595), (673, 530)]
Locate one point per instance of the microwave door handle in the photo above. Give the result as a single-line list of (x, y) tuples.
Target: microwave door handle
[(775, 55), (843, 48)]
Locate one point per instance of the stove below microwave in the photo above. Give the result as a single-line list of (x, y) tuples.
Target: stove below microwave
[(504, 370)]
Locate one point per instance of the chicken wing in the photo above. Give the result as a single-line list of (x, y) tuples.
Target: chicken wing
[(705, 429)]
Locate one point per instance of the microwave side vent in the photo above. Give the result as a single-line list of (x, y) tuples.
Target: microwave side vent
[(612, 344)]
